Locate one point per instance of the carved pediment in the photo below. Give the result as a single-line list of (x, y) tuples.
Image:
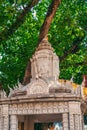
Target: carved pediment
[(37, 87)]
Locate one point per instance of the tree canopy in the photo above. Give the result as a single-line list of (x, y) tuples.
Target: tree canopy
[(22, 23)]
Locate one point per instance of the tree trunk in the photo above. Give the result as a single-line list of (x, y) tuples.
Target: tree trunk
[(49, 17), (27, 75)]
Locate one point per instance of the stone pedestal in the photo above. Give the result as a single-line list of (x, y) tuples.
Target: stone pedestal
[(65, 121), (13, 122)]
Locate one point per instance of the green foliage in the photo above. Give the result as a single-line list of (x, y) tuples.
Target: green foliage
[(68, 36)]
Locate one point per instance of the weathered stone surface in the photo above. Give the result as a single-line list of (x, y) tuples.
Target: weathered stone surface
[(38, 108)]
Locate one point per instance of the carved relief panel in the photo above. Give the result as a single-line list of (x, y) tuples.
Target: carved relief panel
[(38, 108)]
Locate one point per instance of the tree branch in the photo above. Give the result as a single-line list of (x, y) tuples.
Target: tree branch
[(84, 63), (4, 35), (74, 48), (49, 17), (81, 63)]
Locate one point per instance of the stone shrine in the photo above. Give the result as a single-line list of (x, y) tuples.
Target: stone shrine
[(45, 103)]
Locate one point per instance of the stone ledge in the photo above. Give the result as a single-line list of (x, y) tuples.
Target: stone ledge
[(59, 90)]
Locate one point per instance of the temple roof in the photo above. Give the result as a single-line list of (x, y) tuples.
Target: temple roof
[(44, 44)]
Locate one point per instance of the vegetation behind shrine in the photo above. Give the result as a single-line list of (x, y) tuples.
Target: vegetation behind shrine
[(67, 34)]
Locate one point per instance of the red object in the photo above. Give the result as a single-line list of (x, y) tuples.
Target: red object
[(85, 80)]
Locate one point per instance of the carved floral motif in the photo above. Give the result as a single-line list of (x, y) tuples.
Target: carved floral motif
[(38, 108)]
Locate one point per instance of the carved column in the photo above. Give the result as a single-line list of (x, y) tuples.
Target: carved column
[(71, 121), (13, 122), (75, 116), (1, 119), (65, 121), (77, 122), (6, 122), (5, 117), (81, 122)]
